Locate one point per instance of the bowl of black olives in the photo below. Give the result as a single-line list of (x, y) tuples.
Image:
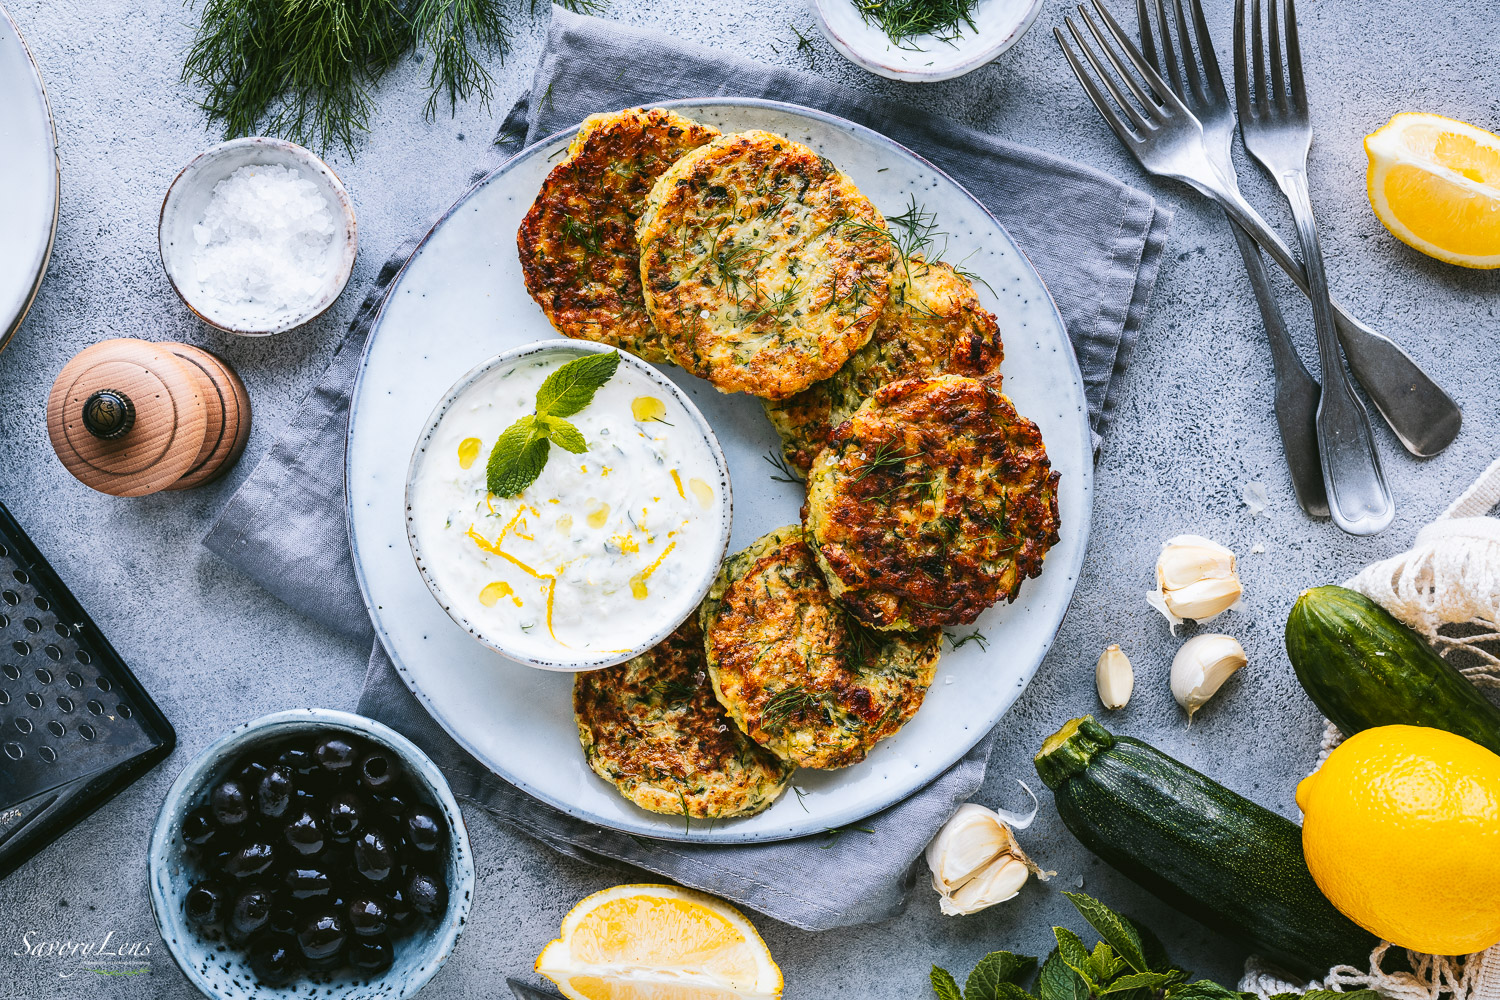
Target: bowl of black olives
[(311, 847)]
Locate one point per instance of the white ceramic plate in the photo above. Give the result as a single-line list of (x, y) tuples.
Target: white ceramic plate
[(28, 179), (998, 24), (460, 299)]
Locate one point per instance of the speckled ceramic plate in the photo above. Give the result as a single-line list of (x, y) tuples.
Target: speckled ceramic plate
[(28, 179), (460, 299)]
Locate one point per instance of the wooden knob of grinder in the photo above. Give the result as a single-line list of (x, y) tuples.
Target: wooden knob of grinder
[(131, 417)]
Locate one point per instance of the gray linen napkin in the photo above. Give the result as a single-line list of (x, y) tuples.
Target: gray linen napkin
[(1097, 245)]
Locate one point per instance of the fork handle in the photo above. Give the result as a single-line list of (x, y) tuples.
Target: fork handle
[(1358, 497), (1423, 416), (1296, 403)]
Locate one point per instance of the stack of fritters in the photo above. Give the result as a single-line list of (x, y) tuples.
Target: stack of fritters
[(756, 264)]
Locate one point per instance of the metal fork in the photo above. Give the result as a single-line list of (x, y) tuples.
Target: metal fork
[(1167, 140), (1278, 132), (1200, 86)]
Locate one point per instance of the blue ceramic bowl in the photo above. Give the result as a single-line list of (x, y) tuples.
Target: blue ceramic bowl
[(222, 972)]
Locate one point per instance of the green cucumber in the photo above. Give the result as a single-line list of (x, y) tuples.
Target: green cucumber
[(1364, 668), (1215, 855)]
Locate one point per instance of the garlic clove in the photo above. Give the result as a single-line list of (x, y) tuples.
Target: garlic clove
[(1202, 666), (1204, 599), (1002, 879), (1114, 678), (971, 839), (1196, 578)]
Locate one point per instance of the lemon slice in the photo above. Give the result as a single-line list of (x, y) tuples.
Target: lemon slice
[(1435, 184), (659, 942)]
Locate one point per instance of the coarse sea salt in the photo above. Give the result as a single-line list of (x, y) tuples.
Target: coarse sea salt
[(265, 245)]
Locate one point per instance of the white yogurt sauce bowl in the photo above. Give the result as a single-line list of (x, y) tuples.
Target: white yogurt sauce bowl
[(189, 196), (607, 552), (926, 59)]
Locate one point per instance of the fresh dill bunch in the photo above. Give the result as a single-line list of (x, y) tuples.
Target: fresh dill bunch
[(304, 69), (905, 20)]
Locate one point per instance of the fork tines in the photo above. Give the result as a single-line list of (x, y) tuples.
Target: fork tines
[(1281, 85), (1199, 76), (1154, 104)]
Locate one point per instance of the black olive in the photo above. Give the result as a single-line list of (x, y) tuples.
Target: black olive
[(230, 803), (334, 754), (320, 936), (303, 835), (372, 855), (345, 813), (275, 792), (275, 959), (204, 904), (251, 912), (249, 776), (297, 760), (424, 831), (371, 956), (398, 908), (283, 920), (198, 827), (307, 883), (392, 805), (367, 916), (376, 772), (251, 859), (428, 896)]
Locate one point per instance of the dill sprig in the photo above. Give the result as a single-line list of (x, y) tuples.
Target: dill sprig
[(976, 637), (304, 69), (884, 457), (784, 473), (904, 20), (784, 704), (805, 46)]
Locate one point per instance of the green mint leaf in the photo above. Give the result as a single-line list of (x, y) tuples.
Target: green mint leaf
[(1113, 928), (1138, 980), (517, 458), (1059, 982), (1157, 959), (1071, 948), (1007, 991), (572, 387), (944, 985), (564, 434), (1204, 989), (997, 969)]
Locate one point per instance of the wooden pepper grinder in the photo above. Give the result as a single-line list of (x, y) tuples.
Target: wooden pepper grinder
[(131, 417)]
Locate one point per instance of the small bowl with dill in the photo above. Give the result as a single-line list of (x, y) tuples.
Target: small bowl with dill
[(924, 41), (257, 236)]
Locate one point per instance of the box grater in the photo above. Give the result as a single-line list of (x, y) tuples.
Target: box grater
[(75, 725)]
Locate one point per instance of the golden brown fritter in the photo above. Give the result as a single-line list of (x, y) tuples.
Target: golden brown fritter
[(764, 268), (933, 324), (652, 728), (577, 243), (795, 670), (931, 503)]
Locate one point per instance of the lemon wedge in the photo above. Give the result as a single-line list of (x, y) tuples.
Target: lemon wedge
[(1435, 184), (659, 942)]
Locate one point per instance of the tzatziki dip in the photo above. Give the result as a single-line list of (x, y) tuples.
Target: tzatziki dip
[(606, 551)]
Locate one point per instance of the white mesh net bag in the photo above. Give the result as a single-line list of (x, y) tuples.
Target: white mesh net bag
[(1447, 587)]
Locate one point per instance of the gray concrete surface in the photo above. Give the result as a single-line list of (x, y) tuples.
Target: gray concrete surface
[(1194, 426)]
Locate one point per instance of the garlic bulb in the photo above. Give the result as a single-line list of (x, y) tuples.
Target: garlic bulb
[(976, 862), (1114, 678), (1202, 666), (1195, 578)]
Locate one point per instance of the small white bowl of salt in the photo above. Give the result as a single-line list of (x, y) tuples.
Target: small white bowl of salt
[(257, 236)]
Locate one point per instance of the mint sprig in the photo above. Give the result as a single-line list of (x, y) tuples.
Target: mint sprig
[(520, 453)]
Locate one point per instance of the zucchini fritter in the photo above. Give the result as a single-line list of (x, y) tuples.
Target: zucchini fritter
[(931, 503), (577, 243), (933, 324), (652, 728), (763, 266), (795, 670)]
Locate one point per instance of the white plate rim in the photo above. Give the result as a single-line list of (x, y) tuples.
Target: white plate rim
[(13, 323), (727, 834)]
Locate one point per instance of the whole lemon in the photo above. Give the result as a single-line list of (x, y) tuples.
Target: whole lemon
[(1401, 831)]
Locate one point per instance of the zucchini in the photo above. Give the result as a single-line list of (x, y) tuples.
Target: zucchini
[(1215, 855), (1364, 668)]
